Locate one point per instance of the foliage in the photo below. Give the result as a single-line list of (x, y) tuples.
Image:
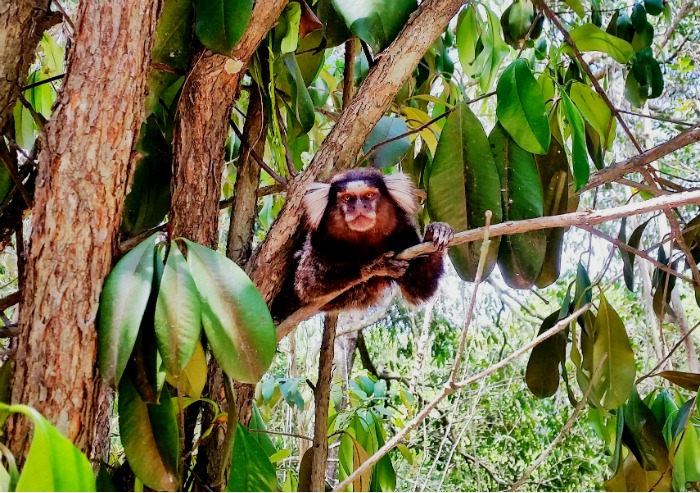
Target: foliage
[(514, 110)]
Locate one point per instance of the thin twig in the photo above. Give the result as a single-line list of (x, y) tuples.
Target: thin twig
[(447, 390), (668, 356), (572, 419), (42, 82), (658, 118), (279, 179)]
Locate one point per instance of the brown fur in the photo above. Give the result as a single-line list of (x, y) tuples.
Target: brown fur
[(335, 253)]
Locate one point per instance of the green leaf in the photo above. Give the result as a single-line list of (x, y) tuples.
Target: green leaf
[(467, 37), (654, 7), (383, 473), (193, 376), (219, 24), (520, 256), (302, 106), (122, 305), (578, 141), (639, 17), (494, 51), (463, 183), (577, 7), (291, 17), (377, 22), (263, 439), (178, 313), (236, 320), (171, 44), (53, 462), (617, 377), (520, 108), (648, 74), (643, 435), (595, 111), (251, 469), (542, 372), (149, 433), (520, 18), (633, 91), (389, 154), (591, 38)]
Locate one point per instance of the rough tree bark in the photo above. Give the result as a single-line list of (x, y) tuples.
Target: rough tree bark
[(83, 175), (204, 108), (22, 23)]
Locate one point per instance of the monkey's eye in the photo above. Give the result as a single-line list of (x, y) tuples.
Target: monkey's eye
[(345, 198), (368, 196)]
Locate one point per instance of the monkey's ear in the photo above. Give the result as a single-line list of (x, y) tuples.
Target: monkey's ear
[(315, 202), (403, 192)]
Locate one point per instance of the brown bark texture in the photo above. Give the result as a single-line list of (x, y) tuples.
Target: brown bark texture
[(82, 181), (271, 262), (205, 107), (22, 22)]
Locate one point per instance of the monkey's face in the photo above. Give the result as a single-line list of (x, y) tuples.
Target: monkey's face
[(359, 201)]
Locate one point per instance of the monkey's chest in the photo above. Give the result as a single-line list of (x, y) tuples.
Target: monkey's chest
[(361, 296)]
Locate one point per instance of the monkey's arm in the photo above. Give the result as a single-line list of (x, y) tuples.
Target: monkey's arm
[(317, 277), (420, 282)]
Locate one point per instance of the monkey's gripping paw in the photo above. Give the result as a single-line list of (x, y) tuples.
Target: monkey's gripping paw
[(386, 266), (440, 234)]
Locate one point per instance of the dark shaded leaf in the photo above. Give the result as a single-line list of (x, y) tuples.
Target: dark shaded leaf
[(542, 373), (219, 24)]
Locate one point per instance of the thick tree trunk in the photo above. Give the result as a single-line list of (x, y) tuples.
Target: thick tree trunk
[(205, 107), (83, 175), (22, 22)]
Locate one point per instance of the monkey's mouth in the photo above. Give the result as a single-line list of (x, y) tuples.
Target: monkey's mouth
[(361, 223)]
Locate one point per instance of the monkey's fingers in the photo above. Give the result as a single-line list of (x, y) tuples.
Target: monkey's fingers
[(440, 234)]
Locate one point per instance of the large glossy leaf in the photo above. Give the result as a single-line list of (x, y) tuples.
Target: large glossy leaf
[(193, 376), (377, 22), (53, 462), (686, 456), (301, 105), (521, 109), (467, 37), (542, 372), (591, 38), (579, 156), (520, 257), (236, 320), (617, 377), (178, 313), (595, 111), (149, 433), (171, 44), (122, 305), (251, 469), (553, 168), (462, 185), (389, 154), (219, 24)]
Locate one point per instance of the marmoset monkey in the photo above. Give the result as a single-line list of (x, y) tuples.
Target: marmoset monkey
[(354, 225)]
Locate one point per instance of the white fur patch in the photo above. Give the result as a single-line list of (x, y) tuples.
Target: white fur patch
[(402, 191), (315, 202)]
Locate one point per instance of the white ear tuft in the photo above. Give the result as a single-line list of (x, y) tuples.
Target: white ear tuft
[(403, 192), (315, 202)]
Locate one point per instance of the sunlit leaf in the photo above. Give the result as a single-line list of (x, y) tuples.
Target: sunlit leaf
[(194, 376), (578, 141), (53, 462), (520, 108), (236, 320), (389, 154), (251, 469), (595, 111), (588, 37)]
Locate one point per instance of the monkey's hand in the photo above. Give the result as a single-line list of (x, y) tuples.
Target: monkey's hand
[(385, 266), (440, 234)]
